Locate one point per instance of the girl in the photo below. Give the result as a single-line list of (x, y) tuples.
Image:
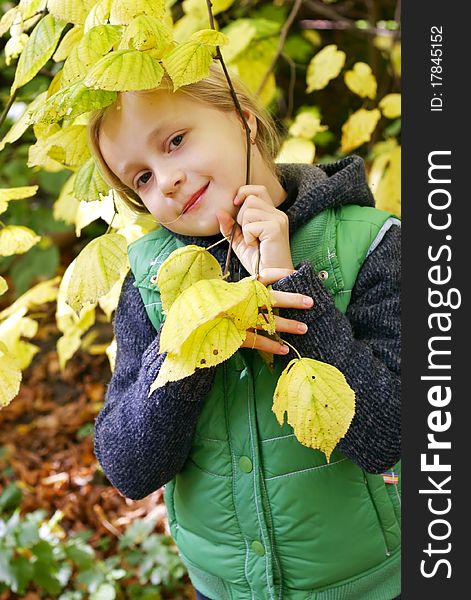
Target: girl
[(255, 514)]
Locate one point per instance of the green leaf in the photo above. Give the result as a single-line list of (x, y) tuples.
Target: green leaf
[(106, 591), (23, 573), (98, 267), (125, 70), (38, 50), (95, 44), (11, 495), (187, 63), (89, 183), (71, 102)]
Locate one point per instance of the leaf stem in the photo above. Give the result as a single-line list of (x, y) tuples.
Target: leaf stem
[(217, 243), (292, 347)]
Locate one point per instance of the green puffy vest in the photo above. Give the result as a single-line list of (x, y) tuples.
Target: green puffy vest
[(255, 514)]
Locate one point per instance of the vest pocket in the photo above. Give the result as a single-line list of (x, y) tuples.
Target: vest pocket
[(385, 511)]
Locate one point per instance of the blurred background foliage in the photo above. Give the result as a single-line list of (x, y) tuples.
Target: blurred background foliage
[(331, 77)]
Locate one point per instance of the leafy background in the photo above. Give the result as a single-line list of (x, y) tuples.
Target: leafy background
[(333, 86)]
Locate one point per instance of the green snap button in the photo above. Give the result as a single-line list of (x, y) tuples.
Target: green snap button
[(258, 548), (245, 464)]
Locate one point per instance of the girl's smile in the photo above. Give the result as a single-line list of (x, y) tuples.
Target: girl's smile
[(184, 158)]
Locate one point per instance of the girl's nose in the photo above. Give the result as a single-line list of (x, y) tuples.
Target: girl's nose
[(171, 182)]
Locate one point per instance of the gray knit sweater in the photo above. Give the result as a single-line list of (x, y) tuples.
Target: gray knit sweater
[(141, 442)]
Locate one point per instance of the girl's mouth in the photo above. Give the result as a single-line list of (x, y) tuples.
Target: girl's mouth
[(195, 200)]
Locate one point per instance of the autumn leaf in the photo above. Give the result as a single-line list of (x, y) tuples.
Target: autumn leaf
[(318, 401), (358, 128), (184, 267), (390, 106), (324, 66), (361, 80)]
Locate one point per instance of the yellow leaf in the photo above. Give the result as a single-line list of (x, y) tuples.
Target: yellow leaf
[(95, 44), (125, 70), (306, 125), (68, 147), (111, 353), (43, 292), (88, 212), (8, 19), (66, 206), (73, 11), (3, 285), (240, 34), (97, 269), (145, 33), (184, 267), (109, 301), (323, 67), (246, 314), (202, 302), (12, 329), (73, 326), (388, 191), (251, 71), (200, 6), (16, 239), (209, 345), (358, 128), (38, 50), (98, 15), (89, 183), (396, 58), (188, 25), (123, 12), (68, 42), (361, 80), (187, 63), (210, 37), (296, 150), (7, 194), (390, 106), (14, 47), (319, 403), (10, 376), (22, 124)]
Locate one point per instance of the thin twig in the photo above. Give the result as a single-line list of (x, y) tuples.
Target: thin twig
[(246, 125), (281, 43), (11, 99)]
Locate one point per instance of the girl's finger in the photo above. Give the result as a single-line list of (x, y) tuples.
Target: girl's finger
[(290, 300), (260, 342), (257, 191), (288, 326)]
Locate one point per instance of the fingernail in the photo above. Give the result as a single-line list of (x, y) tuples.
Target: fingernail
[(284, 349), (302, 327), (308, 301)]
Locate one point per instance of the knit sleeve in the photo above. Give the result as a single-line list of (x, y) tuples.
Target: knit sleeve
[(141, 442), (364, 344)]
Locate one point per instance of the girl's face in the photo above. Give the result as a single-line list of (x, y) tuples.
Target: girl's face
[(184, 158)]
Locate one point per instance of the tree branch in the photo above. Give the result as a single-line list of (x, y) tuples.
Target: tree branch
[(281, 43)]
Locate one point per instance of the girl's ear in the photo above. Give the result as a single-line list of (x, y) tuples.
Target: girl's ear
[(251, 121)]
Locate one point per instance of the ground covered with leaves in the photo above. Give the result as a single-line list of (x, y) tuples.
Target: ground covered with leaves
[(47, 462)]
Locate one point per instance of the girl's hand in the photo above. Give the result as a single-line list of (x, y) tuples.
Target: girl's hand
[(261, 228), (280, 300)]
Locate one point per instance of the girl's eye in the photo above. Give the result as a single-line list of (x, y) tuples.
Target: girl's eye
[(144, 178), (177, 140)]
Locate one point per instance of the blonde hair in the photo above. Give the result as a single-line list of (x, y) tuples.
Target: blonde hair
[(213, 90)]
